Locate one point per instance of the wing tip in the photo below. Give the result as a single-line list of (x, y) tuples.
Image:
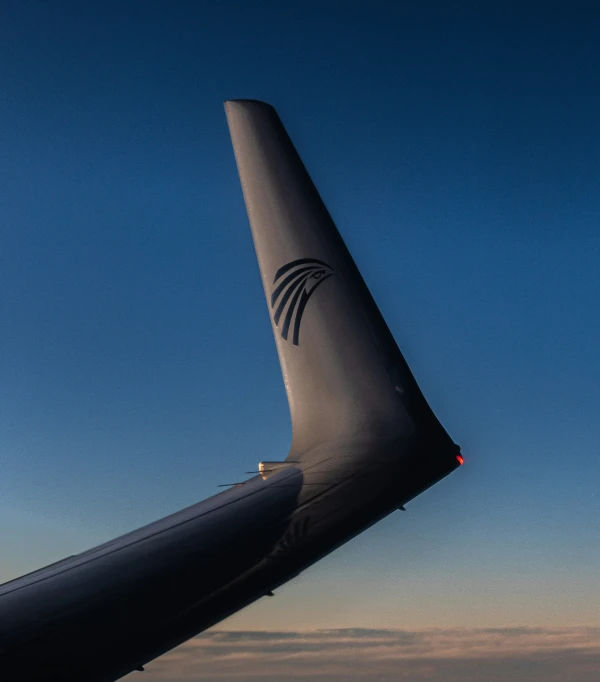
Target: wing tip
[(231, 104)]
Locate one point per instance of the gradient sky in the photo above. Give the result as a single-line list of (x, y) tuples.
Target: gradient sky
[(457, 147)]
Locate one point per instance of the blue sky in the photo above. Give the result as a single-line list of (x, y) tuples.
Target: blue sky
[(456, 146)]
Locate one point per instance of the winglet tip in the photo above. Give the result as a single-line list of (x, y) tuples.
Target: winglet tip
[(247, 104)]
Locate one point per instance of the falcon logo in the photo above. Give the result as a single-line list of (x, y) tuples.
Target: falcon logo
[(294, 284)]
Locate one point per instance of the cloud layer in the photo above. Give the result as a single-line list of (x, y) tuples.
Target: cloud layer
[(452, 655)]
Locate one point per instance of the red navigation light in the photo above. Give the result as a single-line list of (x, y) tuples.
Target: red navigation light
[(460, 459)]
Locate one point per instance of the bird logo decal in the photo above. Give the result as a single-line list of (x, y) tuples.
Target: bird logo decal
[(294, 284)]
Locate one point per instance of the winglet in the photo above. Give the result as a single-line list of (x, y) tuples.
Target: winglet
[(347, 382)]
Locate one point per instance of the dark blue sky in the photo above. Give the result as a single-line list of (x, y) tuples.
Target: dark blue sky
[(457, 147)]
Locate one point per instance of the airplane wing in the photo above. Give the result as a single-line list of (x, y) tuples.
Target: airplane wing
[(364, 443)]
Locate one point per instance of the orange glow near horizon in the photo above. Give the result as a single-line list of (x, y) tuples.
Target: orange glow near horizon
[(460, 459)]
